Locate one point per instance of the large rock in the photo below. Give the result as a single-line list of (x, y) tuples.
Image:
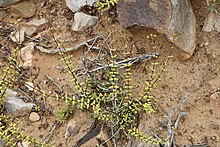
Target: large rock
[(174, 18), (7, 2)]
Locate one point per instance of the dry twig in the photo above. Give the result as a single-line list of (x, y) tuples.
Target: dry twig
[(84, 43), (170, 135), (122, 63)]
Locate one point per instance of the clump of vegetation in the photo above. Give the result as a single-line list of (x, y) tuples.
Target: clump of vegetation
[(110, 98), (214, 6), (104, 5)]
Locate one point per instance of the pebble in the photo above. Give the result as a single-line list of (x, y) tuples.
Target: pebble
[(26, 56), (18, 36), (75, 5), (214, 126), (34, 116), (72, 128), (25, 9), (83, 21)]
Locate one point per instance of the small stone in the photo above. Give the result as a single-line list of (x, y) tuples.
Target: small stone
[(203, 127), (72, 128), (30, 86), (18, 36), (215, 103), (214, 126), (214, 138), (83, 21), (34, 117), (212, 23), (26, 56), (1, 143), (6, 3), (34, 26), (75, 5), (25, 9)]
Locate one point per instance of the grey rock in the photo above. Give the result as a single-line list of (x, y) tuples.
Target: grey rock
[(14, 105), (1, 143), (83, 21), (6, 3), (18, 36), (182, 26), (72, 128), (174, 18), (212, 23), (75, 5)]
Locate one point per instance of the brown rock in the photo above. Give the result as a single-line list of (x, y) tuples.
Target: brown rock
[(26, 56), (173, 18), (34, 26), (154, 14), (34, 117), (25, 9)]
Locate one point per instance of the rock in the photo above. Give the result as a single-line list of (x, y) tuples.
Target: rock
[(83, 21), (212, 23), (29, 30), (30, 86), (18, 36), (1, 143), (215, 103), (75, 5), (174, 18), (6, 3), (23, 144), (14, 105), (25, 9), (34, 26), (72, 128), (34, 117), (25, 55), (214, 125)]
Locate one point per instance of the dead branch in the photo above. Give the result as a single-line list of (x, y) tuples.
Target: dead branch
[(122, 63), (50, 134), (170, 135), (54, 83), (73, 48)]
